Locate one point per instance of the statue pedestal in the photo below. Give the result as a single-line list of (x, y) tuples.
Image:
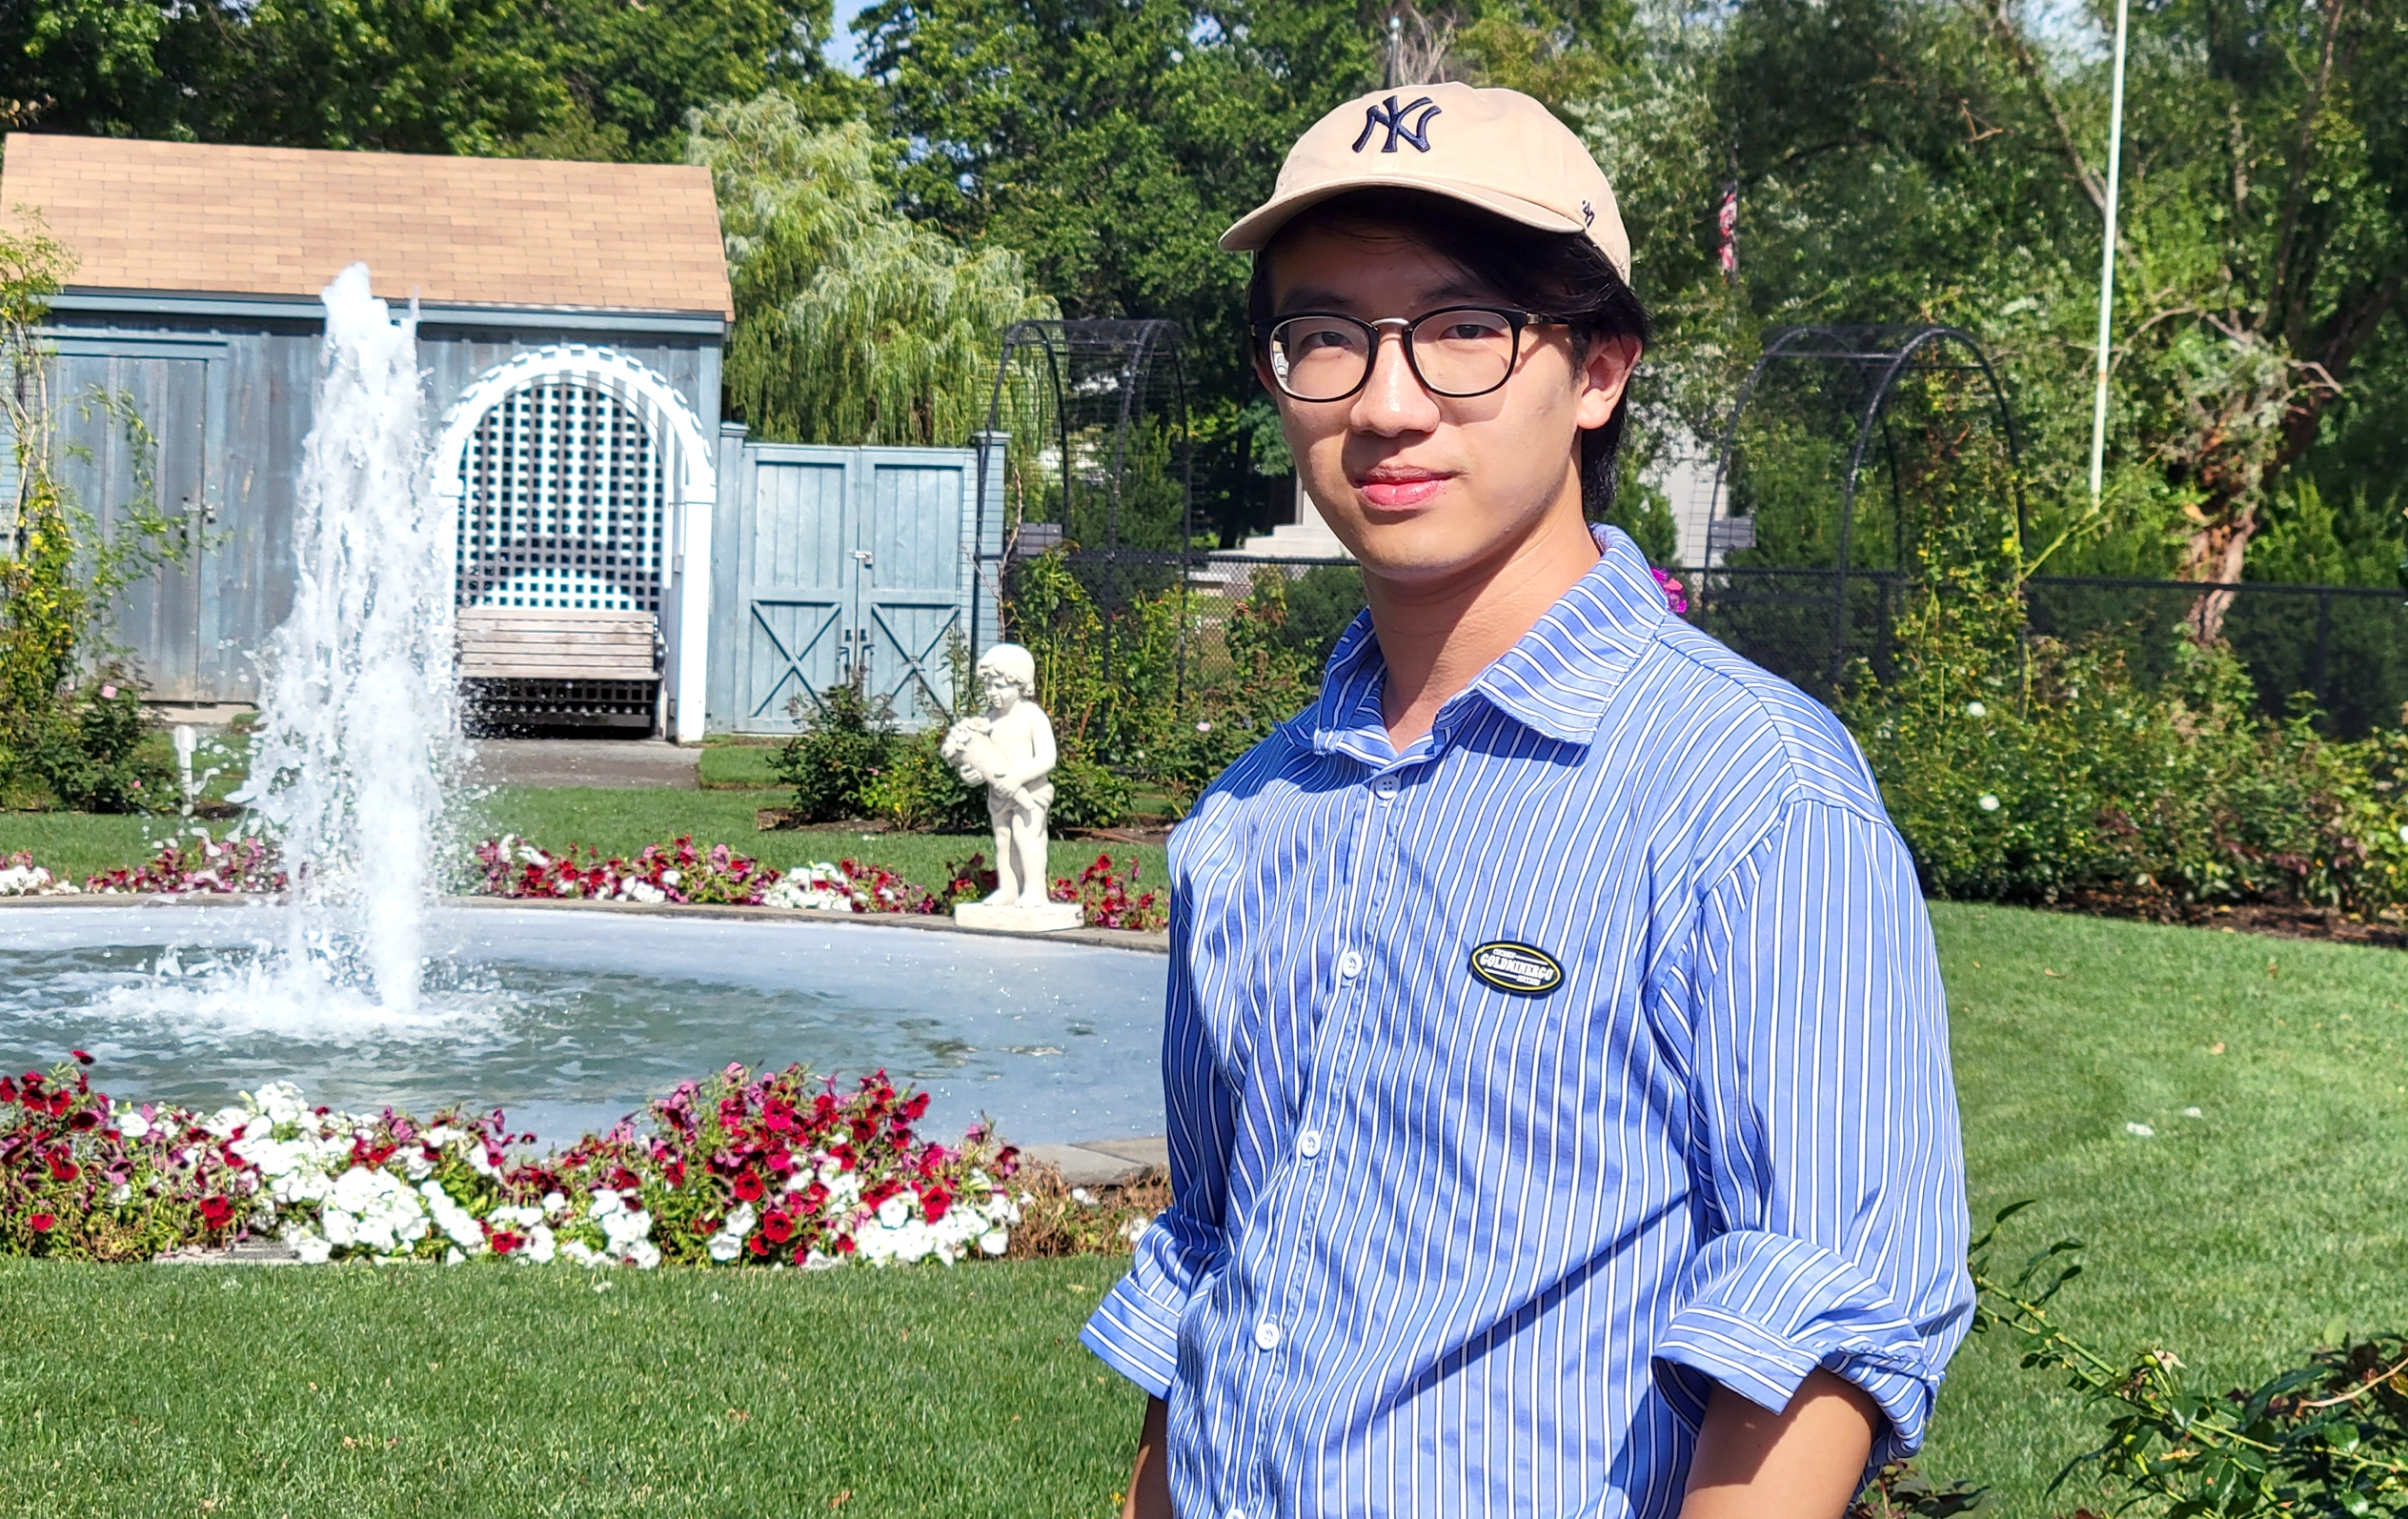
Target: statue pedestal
[(1050, 919)]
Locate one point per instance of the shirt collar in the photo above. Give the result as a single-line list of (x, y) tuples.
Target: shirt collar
[(1556, 679)]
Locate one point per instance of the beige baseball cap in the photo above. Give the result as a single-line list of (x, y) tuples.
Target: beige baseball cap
[(1498, 150)]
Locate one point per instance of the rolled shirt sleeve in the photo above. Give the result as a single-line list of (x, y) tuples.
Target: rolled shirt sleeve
[(1825, 1155), (1135, 1329)]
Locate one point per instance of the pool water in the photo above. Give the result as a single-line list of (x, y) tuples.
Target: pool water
[(569, 1019)]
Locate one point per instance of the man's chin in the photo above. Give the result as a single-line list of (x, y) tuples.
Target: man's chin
[(1421, 550)]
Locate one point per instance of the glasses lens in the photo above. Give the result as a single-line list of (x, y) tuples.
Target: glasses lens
[(1464, 351), (1320, 358)]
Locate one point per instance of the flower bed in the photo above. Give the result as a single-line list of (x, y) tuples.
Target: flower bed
[(741, 1167), (682, 872), (676, 871)]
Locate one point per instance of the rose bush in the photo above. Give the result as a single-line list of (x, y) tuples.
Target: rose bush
[(767, 1169)]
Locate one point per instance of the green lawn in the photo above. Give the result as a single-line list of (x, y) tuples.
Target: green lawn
[(616, 822), (2236, 1239), (417, 1390)]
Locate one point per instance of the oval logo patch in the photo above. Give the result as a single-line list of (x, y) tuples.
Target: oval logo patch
[(1525, 970)]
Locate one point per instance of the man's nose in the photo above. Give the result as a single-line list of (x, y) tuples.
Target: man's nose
[(1393, 399)]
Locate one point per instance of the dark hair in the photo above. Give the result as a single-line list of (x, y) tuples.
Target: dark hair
[(1561, 273)]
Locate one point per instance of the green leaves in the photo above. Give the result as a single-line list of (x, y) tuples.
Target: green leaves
[(2327, 1437), (854, 325)]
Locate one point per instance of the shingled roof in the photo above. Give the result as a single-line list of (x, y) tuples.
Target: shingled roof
[(198, 218)]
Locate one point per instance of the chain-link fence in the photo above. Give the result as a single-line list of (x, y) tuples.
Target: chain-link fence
[(1165, 622)]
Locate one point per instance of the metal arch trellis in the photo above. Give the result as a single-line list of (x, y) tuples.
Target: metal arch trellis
[(1067, 382), (1893, 350)]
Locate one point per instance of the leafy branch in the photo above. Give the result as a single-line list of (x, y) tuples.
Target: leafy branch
[(2329, 1437)]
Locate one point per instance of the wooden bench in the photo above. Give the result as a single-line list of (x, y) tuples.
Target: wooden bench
[(560, 669)]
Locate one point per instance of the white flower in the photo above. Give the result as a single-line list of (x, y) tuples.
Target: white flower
[(541, 1245), (553, 1204), (724, 1246), (314, 1249), (638, 891), (671, 878), (1974, 709), (2403, 833), (2193, 1112), (2140, 1131), (643, 1255), (895, 1212), (1134, 1229), (281, 1102), (740, 1222), (134, 1126), (994, 1242), (1083, 1197), (1989, 802)]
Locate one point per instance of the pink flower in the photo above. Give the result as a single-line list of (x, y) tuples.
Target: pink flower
[(1674, 599), (110, 694)]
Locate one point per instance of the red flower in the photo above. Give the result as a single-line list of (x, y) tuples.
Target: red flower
[(749, 1187), (216, 1211), (84, 1119), (43, 1222), (8, 1090), (758, 1245), (65, 1169), (81, 1059), (503, 1242), (934, 1202), (844, 1245), (779, 1225)]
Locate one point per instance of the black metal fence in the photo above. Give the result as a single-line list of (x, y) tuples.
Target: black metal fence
[(2345, 648)]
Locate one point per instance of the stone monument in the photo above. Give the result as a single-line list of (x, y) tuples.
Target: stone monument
[(1009, 749)]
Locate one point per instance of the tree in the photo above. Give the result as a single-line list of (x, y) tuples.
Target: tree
[(582, 78), (854, 325)]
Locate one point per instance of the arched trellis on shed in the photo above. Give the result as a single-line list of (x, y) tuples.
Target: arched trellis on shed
[(1100, 452), (1853, 376)]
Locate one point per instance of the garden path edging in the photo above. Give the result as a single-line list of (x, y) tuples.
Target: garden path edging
[(1157, 943)]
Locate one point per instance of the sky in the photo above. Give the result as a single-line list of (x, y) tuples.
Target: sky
[(840, 47)]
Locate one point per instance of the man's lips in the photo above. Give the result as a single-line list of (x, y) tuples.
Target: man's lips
[(1401, 488)]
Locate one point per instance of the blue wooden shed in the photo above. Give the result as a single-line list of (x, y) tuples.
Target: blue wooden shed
[(571, 317)]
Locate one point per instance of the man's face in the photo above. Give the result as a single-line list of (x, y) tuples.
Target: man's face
[(1421, 487)]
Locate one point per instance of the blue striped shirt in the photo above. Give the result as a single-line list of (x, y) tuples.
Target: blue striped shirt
[(1452, 1240)]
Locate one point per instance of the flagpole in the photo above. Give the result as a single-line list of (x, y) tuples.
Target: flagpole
[(2107, 257)]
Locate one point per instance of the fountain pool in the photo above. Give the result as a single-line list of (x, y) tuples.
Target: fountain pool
[(569, 1019)]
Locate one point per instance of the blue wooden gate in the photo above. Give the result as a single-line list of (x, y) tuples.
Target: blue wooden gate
[(831, 564)]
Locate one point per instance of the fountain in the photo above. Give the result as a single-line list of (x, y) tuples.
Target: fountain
[(359, 712), (367, 988)]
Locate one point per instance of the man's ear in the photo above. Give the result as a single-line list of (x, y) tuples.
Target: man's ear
[(1605, 373)]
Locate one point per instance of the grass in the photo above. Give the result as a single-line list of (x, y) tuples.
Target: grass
[(415, 1391), (2238, 1239), (613, 820)]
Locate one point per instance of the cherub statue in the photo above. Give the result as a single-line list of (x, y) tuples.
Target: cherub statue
[(1009, 749)]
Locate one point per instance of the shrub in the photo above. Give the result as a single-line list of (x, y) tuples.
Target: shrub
[(844, 746), (2043, 772), (917, 791)]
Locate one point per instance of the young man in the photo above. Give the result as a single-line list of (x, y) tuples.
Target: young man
[(1556, 1060)]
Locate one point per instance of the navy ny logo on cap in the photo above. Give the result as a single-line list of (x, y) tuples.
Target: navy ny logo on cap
[(1389, 115)]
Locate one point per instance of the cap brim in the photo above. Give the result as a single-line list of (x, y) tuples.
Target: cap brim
[(1260, 225)]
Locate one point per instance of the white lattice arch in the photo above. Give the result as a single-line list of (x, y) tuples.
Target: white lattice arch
[(690, 475)]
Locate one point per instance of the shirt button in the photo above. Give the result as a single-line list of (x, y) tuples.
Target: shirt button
[(1308, 1143), (1266, 1336), (1385, 789), (1236, 1513), (1351, 963)]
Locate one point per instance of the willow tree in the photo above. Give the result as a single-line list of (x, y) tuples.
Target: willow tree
[(852, 324)]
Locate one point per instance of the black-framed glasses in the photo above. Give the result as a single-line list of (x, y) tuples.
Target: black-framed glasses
[(1457, 352)]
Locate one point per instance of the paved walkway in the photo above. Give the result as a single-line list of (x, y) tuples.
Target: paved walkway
[(615, 762), (1102, 1163)]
